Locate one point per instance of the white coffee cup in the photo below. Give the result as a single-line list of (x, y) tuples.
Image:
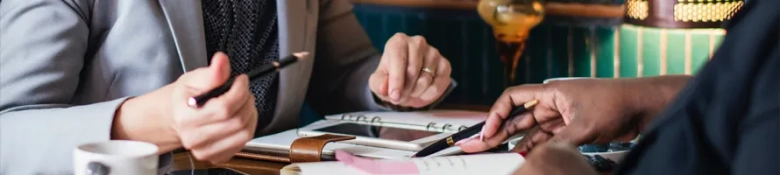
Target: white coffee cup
[(117, 157)]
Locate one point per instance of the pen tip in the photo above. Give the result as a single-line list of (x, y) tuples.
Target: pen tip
[(192, 102), (301, 55), (531, 103)]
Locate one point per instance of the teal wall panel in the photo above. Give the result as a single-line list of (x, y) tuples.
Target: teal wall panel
[(675, 53), (605, 51), (629, 44)]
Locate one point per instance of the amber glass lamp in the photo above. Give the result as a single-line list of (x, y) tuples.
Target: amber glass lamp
[(511, 20)]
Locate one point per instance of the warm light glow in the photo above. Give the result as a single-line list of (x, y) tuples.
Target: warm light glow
[(512, 20)]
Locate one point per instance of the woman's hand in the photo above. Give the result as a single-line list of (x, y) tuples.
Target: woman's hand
[(578, 111), (411, 72)]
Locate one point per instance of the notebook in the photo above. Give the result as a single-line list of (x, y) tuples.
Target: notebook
[(281, 142), (497, 163), (448, 121), (436, 120)]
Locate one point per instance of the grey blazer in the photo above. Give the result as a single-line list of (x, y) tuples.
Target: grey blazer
[(66, 65)]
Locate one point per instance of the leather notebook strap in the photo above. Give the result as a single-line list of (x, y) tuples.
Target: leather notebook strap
[(309, 149), (267, 157)]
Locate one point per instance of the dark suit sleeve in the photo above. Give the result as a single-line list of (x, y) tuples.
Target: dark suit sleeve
[(345, 58), (757, 151), (727, 120)]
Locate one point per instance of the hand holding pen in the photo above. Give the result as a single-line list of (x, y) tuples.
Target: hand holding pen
[(265, 70), (578, 111), (468, 133), (213, 131), (204, 111)]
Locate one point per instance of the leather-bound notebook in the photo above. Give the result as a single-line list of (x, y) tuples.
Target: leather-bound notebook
[(279, 148), (290, 147)]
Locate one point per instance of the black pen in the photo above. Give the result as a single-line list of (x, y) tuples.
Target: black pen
[(468, 132), (263, 71)]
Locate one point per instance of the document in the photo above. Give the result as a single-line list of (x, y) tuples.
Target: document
[(496, 163)]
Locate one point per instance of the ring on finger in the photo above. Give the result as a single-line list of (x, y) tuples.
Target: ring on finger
[(430, 71)]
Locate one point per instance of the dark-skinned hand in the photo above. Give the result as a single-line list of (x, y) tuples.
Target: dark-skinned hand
[(578, 111)]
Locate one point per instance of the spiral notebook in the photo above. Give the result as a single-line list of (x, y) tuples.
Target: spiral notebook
[(447, 121)]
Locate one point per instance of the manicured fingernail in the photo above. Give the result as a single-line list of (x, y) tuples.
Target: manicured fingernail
[(523, 153), (395, 95), (481, 136), (459, 142), (462, 141)]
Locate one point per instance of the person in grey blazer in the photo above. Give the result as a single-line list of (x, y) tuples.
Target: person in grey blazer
[(79, 71)]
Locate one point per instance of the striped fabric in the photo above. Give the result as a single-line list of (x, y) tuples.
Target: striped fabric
[(646, 51)]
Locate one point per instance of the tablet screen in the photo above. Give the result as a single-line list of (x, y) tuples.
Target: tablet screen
[(388, 133)]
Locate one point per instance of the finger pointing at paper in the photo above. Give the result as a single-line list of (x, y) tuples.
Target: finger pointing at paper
[(411, 73)]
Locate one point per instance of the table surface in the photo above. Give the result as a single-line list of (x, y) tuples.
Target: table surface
[(181, 161), (184, 161)]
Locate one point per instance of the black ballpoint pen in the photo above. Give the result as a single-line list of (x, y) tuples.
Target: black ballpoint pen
[(468, 132), (263, 71)]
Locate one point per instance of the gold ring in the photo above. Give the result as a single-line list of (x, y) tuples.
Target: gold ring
[(429, 70)]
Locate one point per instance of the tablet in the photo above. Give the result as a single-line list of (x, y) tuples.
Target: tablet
[(377, 136)]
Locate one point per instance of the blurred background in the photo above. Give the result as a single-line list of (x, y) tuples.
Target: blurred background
[(568, 43), (576, 38)]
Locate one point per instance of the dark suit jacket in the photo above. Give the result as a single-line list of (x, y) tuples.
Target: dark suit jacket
[(727, 120)]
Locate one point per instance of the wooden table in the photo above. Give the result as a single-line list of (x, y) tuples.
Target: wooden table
[(181, 161)]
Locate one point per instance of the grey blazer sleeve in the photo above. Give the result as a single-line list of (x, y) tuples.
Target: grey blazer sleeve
[(344, 61), (42, 47)]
